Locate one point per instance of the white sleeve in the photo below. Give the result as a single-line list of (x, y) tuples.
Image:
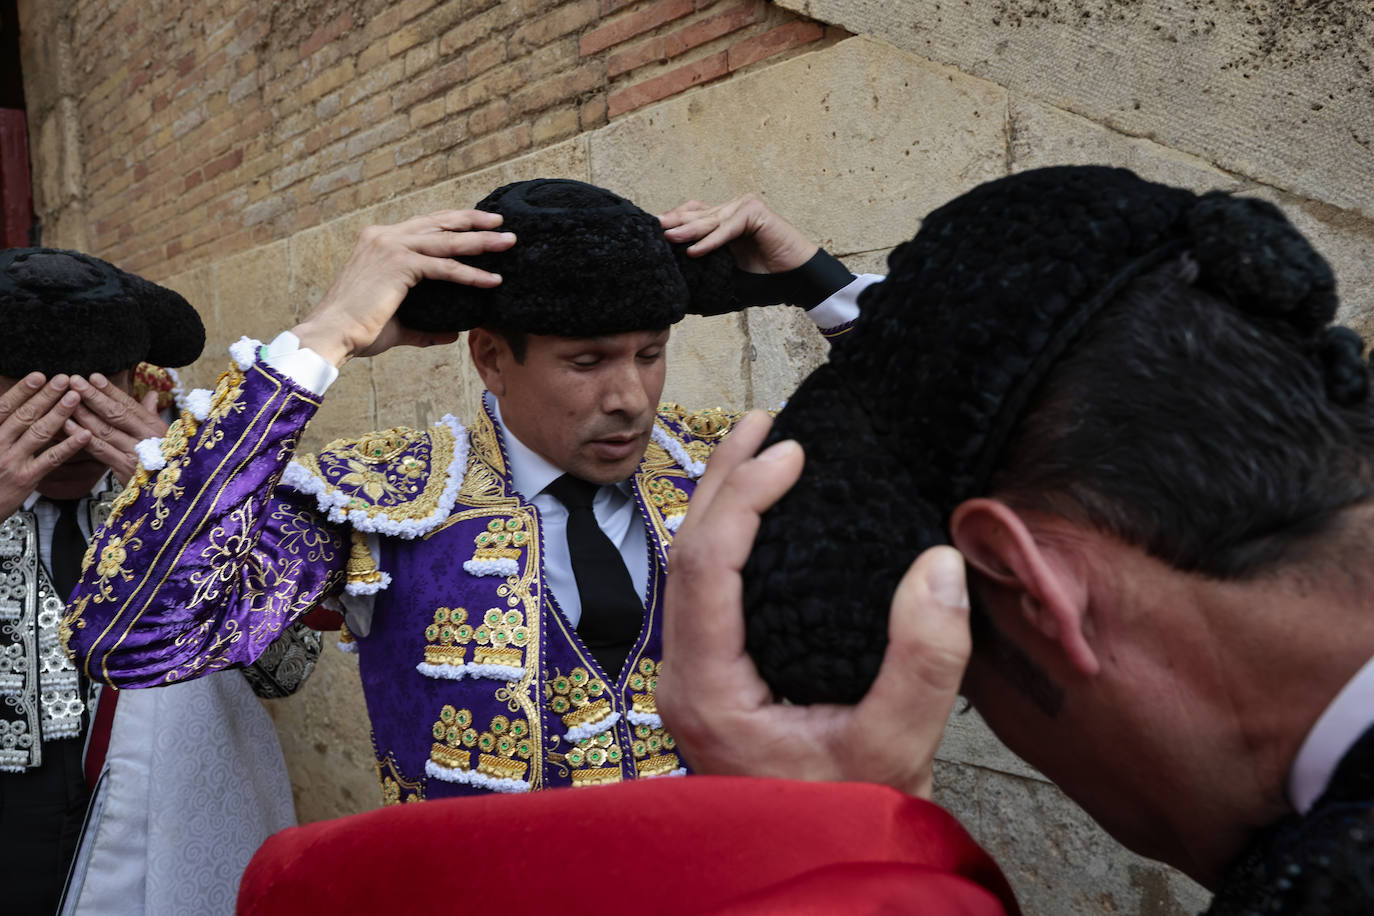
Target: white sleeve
[(300, 364), (836, 314)]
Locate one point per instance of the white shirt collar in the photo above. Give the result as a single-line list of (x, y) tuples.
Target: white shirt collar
[(530, 472), (1342, 723)]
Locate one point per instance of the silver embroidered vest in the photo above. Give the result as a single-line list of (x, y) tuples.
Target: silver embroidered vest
[(42, 694)]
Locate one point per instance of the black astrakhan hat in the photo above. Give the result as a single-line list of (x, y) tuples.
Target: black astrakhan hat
[(65, 311), (908, 418), (586, 262)]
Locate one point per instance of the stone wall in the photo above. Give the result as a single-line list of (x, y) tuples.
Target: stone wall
[(854, 138)]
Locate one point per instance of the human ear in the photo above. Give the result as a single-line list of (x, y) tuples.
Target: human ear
[(1043, 576), (487, 350)]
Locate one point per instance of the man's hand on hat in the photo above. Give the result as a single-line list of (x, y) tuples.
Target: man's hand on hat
[(115, 422), (725, 719), (32, 415), (761, 240), (357, 316)]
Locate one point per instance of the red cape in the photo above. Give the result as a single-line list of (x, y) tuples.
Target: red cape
[(699, 845)]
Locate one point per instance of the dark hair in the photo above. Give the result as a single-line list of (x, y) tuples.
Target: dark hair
[(514, 339), (1209, 437)]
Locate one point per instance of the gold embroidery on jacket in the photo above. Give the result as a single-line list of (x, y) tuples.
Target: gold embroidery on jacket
[(397, 473)]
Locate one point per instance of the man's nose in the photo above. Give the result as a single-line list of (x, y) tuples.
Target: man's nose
[(625, 391)]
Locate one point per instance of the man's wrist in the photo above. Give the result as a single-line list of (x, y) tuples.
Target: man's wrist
[(327, 343), (300, 364)]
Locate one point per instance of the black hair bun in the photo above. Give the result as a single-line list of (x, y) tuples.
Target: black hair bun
[(1249, 253)]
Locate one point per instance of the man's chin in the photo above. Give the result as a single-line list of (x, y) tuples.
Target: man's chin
[(606, 465), (72, 480)]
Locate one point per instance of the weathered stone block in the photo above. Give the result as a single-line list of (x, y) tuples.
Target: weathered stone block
[(853, 144), (1279, 93), (326, 740), (1058, 861)]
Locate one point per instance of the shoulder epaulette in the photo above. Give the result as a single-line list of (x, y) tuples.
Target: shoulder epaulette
[(688, 436), (400, 482)]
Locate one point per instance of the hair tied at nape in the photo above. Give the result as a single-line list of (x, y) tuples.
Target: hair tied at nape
[(1344, 370), (1250, 254)]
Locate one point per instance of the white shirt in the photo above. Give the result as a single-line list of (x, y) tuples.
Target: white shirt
[(1348, 717), (616, 513)]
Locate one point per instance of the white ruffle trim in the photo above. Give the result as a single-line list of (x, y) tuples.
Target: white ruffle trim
[(244, 352), (178, 393), (350, 647), (502, 567), (680, 771), (67, 728), (458, 672), (592, 729), (443, 672), (679, 454), (332, 501), (495, 672), (199, 402), (674, 522), (368, 588), (474, 778), (651, 719), (149, 453)]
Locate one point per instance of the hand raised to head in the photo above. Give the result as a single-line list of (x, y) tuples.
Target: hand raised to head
[(723, 715), (33, 413), (356, 317), (115, 421), (761, 240)]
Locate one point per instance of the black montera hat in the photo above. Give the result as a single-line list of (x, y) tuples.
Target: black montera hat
[(65, 311), (909, 417), (586, 262)]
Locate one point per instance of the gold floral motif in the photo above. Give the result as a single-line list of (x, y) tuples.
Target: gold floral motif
[(500, 639), (668, 500), (595, 761), (577, 697), (710, 423), (399, 473), (503, 749), (214, 658), (230, 545), (110, 562), (653, 751), (178, 437), (501, 540), (396, 789), (225, 401), (303, 534), (165, 488)]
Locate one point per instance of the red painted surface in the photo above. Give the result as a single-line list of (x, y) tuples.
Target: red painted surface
[(16, 195)]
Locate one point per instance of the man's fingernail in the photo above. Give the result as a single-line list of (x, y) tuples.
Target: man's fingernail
[(99, 380), (779, 450), (945, 579), (71, 399)]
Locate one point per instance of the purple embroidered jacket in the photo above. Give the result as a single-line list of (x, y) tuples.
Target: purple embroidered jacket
[(473, 678)]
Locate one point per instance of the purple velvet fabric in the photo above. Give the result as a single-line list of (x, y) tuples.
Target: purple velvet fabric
[(473, 678), (201, 566)]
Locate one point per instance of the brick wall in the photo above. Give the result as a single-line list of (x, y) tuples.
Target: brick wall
[(207, 128)]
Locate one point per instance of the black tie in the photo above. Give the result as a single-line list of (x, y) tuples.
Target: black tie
[(611, 610), (68, 548)]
